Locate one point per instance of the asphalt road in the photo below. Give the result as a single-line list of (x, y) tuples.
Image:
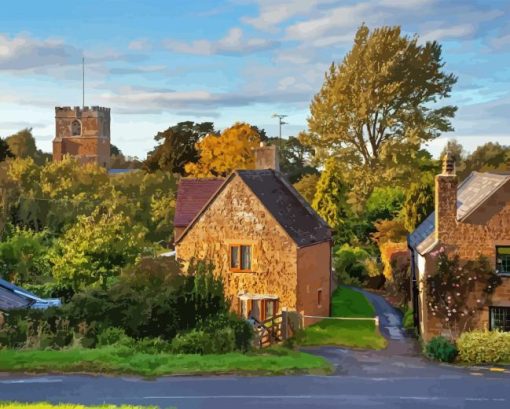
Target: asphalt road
[(396, 377)]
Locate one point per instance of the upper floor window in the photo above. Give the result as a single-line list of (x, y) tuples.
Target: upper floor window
[(240, 257), (503, 259), (499, 318), (76, 128)]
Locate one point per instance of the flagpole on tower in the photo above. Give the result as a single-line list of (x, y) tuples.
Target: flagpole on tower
[(83, 82)]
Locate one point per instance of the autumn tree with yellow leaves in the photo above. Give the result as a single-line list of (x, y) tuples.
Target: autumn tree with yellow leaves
[(220, 155)]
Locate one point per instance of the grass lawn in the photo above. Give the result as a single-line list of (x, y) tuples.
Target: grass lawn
[(356, 334), (44, 405), (119, 360)]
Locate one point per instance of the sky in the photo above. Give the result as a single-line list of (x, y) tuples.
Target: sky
[(156, 63)]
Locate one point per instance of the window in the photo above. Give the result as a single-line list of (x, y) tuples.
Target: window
[(499, 318), (240, 258), (319, 298), (503, 260), (76, 128), (270, 309)]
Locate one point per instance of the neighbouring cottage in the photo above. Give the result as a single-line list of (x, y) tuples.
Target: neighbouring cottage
[(271, 248), (470, 219)]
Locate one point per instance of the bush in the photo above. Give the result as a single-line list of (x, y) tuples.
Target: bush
[(350, 265), (112, 336), (408, 319), (153, 346), (241, 329), (479, 347), (441, 349), (192, 342)]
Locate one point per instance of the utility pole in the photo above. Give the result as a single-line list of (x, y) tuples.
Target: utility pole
[(280, 123)]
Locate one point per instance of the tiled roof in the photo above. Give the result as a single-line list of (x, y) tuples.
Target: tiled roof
[(192, 195), (10, 300), (287, 206), (471, 193)]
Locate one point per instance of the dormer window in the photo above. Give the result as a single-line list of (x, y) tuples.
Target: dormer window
[(76, 128)]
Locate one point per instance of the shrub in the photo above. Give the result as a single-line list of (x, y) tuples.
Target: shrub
[(408, 319), (350, 265), (441, 349), (242, 331), (153, 346), (112, 336), (479, 347), (192, 342)]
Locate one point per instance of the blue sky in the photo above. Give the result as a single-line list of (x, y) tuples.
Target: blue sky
[(156, 63)]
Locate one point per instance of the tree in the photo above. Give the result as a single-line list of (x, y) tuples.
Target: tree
[(489, 157), (22, 144), (5, 152), (376, 107), (307, 186), (96, 248), (220, 155), (384, 203), (419, 202), (177, 147), (295, 158), (330, 199), (456, 150)]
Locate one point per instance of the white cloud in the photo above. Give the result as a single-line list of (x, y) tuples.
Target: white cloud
[(458, 31), (233, 43), (23, 52), (141, 44)]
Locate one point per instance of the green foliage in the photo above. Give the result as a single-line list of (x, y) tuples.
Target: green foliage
[(241, 329), (330, 199), (22, 145), (384, 203), (23, 256), (408, 319), (177, 147), (377, 107), (484, 347), (351, 265), (456, 293), (295, 158), (419, 202), (111, 336), (441, 349), (5, 152), (96, 248), (307, 186)]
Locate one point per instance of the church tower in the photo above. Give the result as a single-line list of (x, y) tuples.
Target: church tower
[(83, 133)]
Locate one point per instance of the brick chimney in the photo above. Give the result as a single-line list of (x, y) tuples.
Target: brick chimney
[(266, 157), (446, 199)]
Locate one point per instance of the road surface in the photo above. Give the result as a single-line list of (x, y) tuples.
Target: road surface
[(397, 377)]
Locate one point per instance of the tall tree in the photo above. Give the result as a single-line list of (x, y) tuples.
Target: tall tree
[(330, 199), (177, 146), (220, 155), (491, 156), (295, 158), (5, 152), (22, 144), (376, 107), (419, 202)]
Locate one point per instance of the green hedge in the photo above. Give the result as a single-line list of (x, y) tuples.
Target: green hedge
[(478, 347)]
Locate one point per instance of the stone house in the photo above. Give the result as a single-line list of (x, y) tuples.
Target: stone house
[(271, 248), (470, 218)]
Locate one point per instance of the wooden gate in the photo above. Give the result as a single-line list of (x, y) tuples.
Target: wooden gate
[(269, 332)]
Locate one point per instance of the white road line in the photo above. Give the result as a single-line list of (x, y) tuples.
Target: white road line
[(329, 397)]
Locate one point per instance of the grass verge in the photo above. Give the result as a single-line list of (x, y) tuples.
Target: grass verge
[(119, 360), (345, 302)]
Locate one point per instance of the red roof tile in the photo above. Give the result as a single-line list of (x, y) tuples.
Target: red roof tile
[(192, 195)]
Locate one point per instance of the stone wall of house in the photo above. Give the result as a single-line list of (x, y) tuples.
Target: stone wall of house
[(237, 217), (480, 233), (314, 275), (83, 133)]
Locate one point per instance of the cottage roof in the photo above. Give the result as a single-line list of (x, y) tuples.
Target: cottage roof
[(12, 296), (192, 195), (287, 206), (283, 202), (10, 300), (471, 194)]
